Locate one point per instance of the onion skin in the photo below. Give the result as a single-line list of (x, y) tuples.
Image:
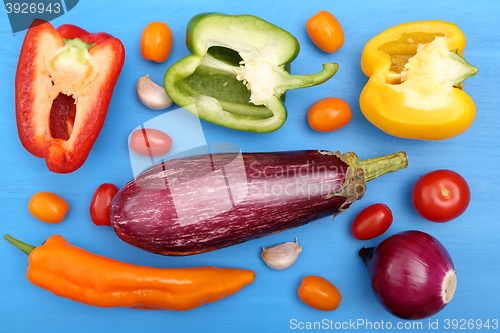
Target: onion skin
[(179, 207), (411, 273)]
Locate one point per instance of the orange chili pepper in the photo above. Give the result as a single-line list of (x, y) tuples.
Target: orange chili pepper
[(69, 271)]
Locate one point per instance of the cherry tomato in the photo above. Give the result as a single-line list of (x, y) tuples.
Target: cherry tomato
[(48, 207), (441, 195), (319, 293), (150, 142), (156, 42), (329, 114), (325, 31), (100, 205), (372, 222)]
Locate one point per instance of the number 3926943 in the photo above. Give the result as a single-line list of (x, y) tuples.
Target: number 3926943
[(470, 324), (32, 7)]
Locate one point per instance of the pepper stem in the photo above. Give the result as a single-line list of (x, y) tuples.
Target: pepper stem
[(26, 248), (378, 166), (294, 81), (366, 253)]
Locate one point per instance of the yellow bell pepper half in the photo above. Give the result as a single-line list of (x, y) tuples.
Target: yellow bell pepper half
[(414, 89)]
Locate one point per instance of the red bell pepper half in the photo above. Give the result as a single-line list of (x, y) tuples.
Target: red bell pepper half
[(64, 81)]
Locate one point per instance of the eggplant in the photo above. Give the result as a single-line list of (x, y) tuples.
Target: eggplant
[(195, 204)]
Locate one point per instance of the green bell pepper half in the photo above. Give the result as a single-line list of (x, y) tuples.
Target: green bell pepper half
[(238, 72)]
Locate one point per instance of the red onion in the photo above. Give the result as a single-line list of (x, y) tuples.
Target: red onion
[(411, 274)]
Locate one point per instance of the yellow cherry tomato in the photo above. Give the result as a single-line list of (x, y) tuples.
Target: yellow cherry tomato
[(319, 293), (48, 207), (329, 114), (156, 42), (325, 31)]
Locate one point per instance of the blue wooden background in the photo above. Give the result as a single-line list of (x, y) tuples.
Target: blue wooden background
[(270, 304)]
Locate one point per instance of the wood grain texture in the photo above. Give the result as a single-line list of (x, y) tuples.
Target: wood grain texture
[(270, 304)]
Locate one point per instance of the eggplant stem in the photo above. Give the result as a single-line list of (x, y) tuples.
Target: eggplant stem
[(26, 248), (378, 166)]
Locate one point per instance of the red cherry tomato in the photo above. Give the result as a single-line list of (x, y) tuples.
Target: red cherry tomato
[(441, 195), (329, 114), (150, 142), (48, 207), (372, 222), (325, 31), (156, 42), (100, 205), (319, 293)]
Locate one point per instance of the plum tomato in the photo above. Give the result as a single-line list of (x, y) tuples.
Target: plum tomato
[(150, 142), (156, 42), (48, 207), (329, 114), (372, 222), (441, 195), (100, 205), (325, 31), (319, 293)]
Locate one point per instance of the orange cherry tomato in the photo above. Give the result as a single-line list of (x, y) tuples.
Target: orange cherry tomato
[(156, 42), (150, 142), (325, 31), (329, 114), (48, 207), (100, 205), (319, 293)]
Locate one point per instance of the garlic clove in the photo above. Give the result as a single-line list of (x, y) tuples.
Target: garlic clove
[(281, 256), (152, 95)]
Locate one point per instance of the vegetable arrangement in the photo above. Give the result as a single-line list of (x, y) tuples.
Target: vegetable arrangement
[(236, 76)]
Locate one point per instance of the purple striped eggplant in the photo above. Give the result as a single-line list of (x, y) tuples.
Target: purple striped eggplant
[(201, 203)]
